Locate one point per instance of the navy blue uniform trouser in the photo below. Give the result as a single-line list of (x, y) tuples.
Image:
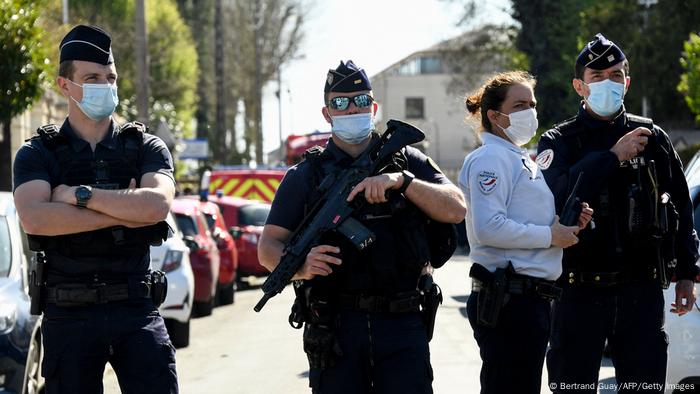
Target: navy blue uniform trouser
[(513, 352), (382, 354), (130, 335), (630, 317)]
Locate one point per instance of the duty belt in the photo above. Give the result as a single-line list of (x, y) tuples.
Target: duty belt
[(81, 294), (605, 279), (527, 286), (400, 303)]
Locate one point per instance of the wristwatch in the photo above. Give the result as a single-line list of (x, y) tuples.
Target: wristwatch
[(407, 179), (82, 195)]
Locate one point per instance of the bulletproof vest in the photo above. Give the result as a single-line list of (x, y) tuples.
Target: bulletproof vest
[(394, 262), (113, 170), (629, 204)]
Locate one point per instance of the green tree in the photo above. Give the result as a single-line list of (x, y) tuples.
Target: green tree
[(173, 66), (23, 70), (652, 39), (548, 36), (689, 85)]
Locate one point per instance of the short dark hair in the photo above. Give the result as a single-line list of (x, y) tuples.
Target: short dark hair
[(580, 68), (66, 69), (492, 94)]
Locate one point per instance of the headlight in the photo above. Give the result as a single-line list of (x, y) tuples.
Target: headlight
[(8, 316), (172, 261)]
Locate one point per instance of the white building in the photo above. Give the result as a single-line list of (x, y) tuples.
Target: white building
[(415, 89)]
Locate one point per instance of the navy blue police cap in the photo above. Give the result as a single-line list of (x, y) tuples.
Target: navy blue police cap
[(600, 54), (88, 43), (347, 77)]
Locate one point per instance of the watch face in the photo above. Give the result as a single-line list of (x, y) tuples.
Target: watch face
[(83, 193)]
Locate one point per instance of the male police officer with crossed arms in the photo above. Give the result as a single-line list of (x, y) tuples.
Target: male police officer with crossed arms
[(93, 196), (633, 179), (364, 304)]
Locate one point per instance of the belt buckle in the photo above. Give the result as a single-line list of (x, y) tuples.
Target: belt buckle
[(368, 303), (100, 293)]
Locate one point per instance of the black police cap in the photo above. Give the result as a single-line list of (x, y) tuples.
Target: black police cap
[(600, 54), (347, 77), (88, 43)]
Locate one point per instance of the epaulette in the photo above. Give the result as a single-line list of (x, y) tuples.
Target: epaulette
[(50, 135), (639, 121), (312, 153), (569, 126), (132, 129)]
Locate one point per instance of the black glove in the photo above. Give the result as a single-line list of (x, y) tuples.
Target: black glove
[(321, 346)]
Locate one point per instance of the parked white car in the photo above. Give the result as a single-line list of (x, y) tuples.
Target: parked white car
[(683, 369), (173, 258)]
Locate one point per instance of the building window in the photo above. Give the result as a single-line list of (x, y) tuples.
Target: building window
[(415, 108), (421, 66)]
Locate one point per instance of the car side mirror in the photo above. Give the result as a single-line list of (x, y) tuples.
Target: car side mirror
[(191, 243), (236, 232)]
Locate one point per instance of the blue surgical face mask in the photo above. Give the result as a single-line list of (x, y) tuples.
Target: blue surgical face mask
[(99, 99), (605, 97), (353, 129)]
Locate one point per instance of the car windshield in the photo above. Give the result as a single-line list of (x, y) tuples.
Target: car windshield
[(211, 221), (253, 215), (5, 248), (186, 224)]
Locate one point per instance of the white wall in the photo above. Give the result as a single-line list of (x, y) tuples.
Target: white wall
[(450, 138)]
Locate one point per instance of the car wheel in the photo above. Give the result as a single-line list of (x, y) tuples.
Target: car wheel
[(240, 283), (179, 332), (33, 381), (203, 308), (226, 294)]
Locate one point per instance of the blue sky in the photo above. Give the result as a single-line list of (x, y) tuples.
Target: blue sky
[(373, 33)]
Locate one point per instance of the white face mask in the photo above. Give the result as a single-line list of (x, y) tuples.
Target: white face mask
[(523, 126), (353, 129)]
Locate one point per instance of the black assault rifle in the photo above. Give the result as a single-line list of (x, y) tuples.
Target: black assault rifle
[(332, 211)]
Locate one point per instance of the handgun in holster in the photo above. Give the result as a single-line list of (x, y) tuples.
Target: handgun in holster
[(37, 285), (320, 339), (159, 287), (431, 298), (493, 294)]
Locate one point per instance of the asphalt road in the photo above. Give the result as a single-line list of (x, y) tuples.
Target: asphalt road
[(239, 351)]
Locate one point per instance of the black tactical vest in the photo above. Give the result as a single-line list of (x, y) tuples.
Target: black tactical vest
[(394, 262), (628, 207), (114, 170)]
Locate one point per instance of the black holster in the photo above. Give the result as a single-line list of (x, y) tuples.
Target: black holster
[(431, 298), (493, 294), (159, 287), (37, 285), (320, 341)]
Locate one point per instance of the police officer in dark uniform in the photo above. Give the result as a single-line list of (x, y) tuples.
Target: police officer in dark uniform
[(643, 233), (92, 196), (366, 334)]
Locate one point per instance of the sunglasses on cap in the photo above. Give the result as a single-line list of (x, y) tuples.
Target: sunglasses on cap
[(341, 103)]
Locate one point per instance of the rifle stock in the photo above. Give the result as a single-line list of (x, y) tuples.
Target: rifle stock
[(332, 209)]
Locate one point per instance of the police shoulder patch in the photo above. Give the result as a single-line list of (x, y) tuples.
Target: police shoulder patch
[(434, 164), (544, 159), (487, 181)]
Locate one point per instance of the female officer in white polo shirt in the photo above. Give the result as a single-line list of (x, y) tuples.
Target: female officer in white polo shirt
[(511, 225)]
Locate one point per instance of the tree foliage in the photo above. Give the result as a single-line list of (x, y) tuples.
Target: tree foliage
[(652, 39), (689, 85), (23, 69), (548, 36), (173, 67), (478, 53)]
